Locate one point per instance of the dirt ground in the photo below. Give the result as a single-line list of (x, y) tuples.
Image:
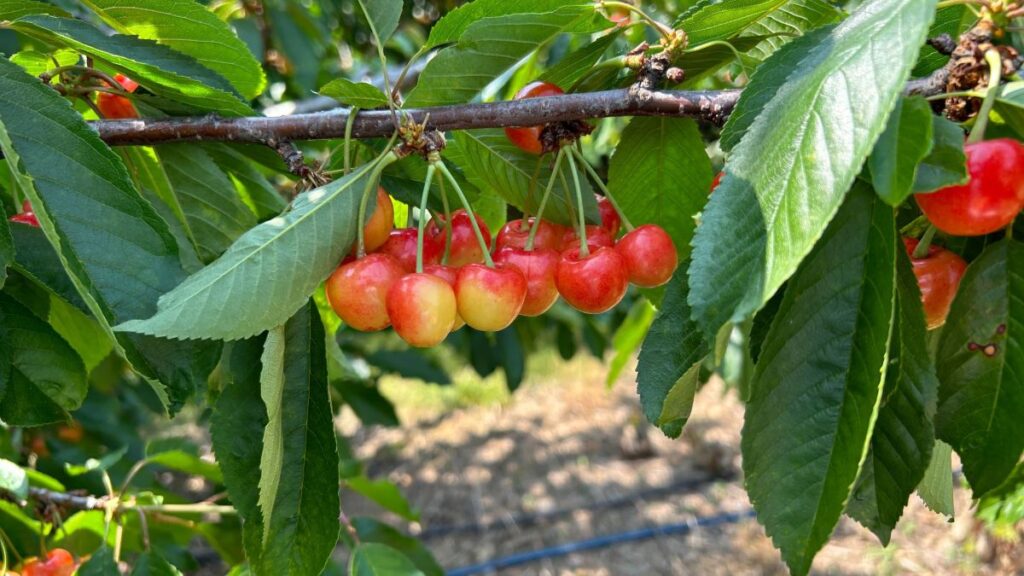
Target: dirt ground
[(565, 441)]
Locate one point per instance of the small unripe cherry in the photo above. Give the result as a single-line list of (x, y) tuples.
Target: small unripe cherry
[(610, 219), (379, 225), (513, 234), (401, 245), (649, 254), (527, 138), (357, 291), (538, 267), (489, 299), (422, 309), (597, 237), (448, 274), (594, 283), (465, 248)]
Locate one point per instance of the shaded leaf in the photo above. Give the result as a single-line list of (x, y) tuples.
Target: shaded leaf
[(385, 494), (383, 16), (577, 64), (152, 564), (358, 94), (952, 20), (905, 142), (181, 455), (369, 405), (14, 9), (101, 563), (373, 559), (936, 488), (792, 19), (371, 530), (946, 165), (255, 189)]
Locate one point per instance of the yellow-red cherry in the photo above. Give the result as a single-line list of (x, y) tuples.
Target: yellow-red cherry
[(538, 267), (489, 299), (527, 138), (422, 309), (649, 255), (357, 291), (594, 283)]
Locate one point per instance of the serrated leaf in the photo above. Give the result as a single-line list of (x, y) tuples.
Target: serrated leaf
[(660, 174), (14, 9), (383, 16), (101, 563), (299, 466), (358, 94), (371, 530), (115, 249), (790, 20), (905, 142), (260, 281), (190, 28), (901, 445), (789, 174), (578, 63), (13, 479), (819, 381), (980, 362), (168, 74), (385, 494), (946, 165), (152, 564), (254, 188), (449, 29), (723, 20), (936, 488), (492, 162), (373, 559), (673, 346)]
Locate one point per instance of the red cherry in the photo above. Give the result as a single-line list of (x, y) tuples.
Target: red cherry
[(938, 275), (717, 180), (378, 227), (357, 291), (465, 249), (448, 274), (113, 106), (422, 309), (649, 254), (610, 219), (593, 284), (992, 197), (126, 82), (538, 267), (597, 237), (59, 562), (513, 234), (28, 218), (401, 245), (490, 298), (527, 138), (26, 206)]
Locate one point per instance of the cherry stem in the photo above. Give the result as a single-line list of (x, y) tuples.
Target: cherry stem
[(431, 168), (604, 189), (348, 137), (447, 219), (544, 200), (995, 64), (469, 212), (925, 243), (581, 217), (375, 168)]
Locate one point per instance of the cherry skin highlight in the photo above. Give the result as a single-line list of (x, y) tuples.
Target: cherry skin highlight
[(938, 275), (992, 197), (465, 249), (489, 299), (527, 138), (538, 268), (597, 237), (512, 234), (422, 309), (357, 291), (649, 254), (592, 284), (610, 219), (401, 245), (448, 274)]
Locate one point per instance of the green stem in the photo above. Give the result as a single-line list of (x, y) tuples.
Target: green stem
[(376, 168), (423, 217), (469, 212), (447, 219), (604, 189), (544, 200), (948, 3), (995, 64), (658, 26), (961, 94), (735, 52), (352, 113), (581, 218), (926, 241), (188, 508)]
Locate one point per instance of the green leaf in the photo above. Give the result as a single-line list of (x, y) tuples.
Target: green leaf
[(41, 376), (369, 405), (490, 46), (181, 455), (450, 28), (13, 479), (101, 464), (383, 16), (81, 332), (187, 27), (299, 466), (373, 559), (6, 246), (660, 174), (168, 74), (409, 363), (101, 563), (36, 63), (256, 191), (116, 250), (789, 174), (901, 445), (1010, 105), (371, 530), (14, 9), (952, 20), (793, 18), (906, 141), (980, 363), (674, 345), (385, 494), (358, 94), (628, 337), (259, 282), (946, 165), (577, 64), (819, 381), (723, 20), (152, 564), (936, 488)]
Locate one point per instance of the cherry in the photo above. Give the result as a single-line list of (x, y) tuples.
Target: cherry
[(620, 16), (422, 309), (527, 138), (378, 227), (464, 247), (649, 254), (717, 180), (59, 562), (448, 274), (357, 291), (26, 216), (538, 267), (490, 298), (401, 245), (113, 106), (991, 198), (610, 219), (597, 237), (938, 275), (593, 283), (515, 233)]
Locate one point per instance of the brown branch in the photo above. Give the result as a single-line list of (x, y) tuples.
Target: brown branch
[(68, 500)]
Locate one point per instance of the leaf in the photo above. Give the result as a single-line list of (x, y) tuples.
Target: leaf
[(14, 9), (789, 174), (6, 246), (952, 20), (166, 73), (187, 27), (819, 381), (372, 559), (181, 455), (980, 362), (946, 165), (101, 464), (579, 63), (299, 466), (455, 23), (101, 563), (371, 530), (260, 281), (383, 16), (901, 445), (385, 494), (936, 488), (660, 174), (36, 63), (41, 377), (86, 205), (357, 94), (409, 363), (81, 332), (628, 337), (369, 405), (792, 19), (674, 345), (152, 564), (1010, 105), (256, 191), (490, 46), (13, 479), (906, 141)]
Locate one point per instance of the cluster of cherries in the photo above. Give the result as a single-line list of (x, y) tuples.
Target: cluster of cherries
[(58, 562)]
